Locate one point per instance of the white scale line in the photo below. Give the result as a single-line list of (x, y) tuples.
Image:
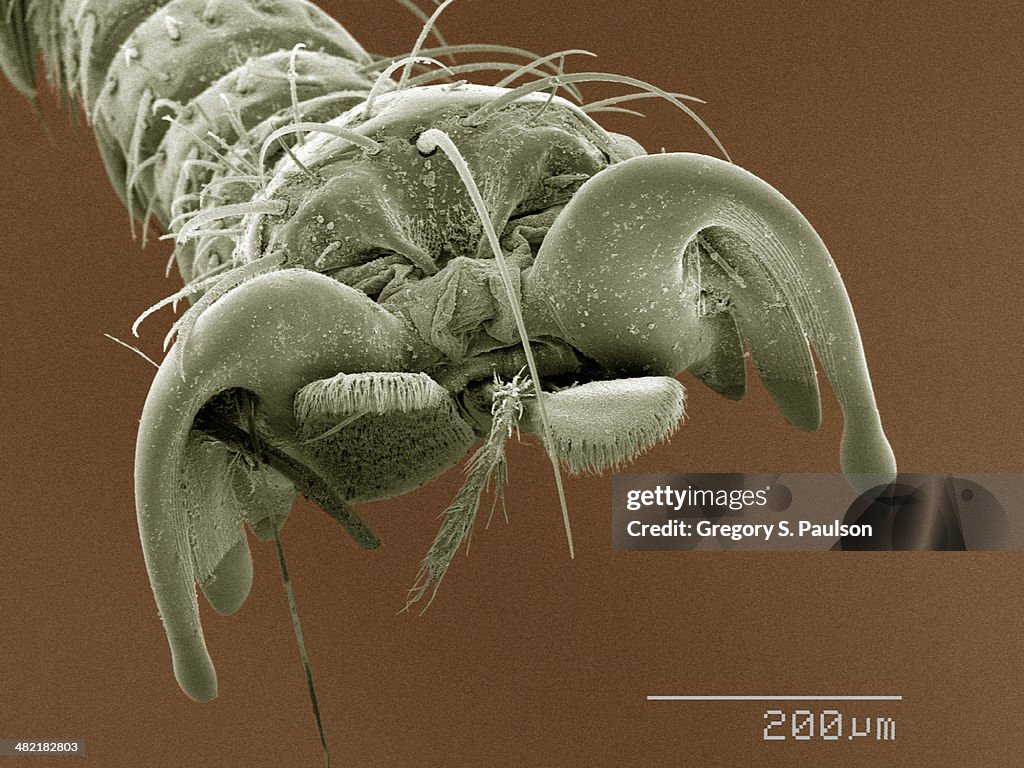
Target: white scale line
[(775, 698)]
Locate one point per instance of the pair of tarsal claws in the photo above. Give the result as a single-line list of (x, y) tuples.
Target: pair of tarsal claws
[(658, 265)]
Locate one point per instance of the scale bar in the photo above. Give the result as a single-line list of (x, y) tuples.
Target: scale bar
[(775, 698)]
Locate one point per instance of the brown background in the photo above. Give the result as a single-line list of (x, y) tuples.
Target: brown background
[(897, 132)]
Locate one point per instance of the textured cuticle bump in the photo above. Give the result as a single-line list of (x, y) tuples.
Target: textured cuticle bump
[(359, 204), (245, 97), (152, 67)]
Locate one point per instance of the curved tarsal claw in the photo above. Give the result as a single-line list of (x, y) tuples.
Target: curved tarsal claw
[(614, 277), (192, 666), (270, 336)]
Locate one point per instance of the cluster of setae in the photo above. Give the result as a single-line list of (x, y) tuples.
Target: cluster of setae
[(387, 262)]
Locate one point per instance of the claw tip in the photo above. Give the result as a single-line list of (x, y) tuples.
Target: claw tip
[(194, 673)]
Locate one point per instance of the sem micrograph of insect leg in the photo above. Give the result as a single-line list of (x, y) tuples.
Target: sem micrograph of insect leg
[(400, 256)]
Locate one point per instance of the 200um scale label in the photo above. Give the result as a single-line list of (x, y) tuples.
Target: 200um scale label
[(813, 718)]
